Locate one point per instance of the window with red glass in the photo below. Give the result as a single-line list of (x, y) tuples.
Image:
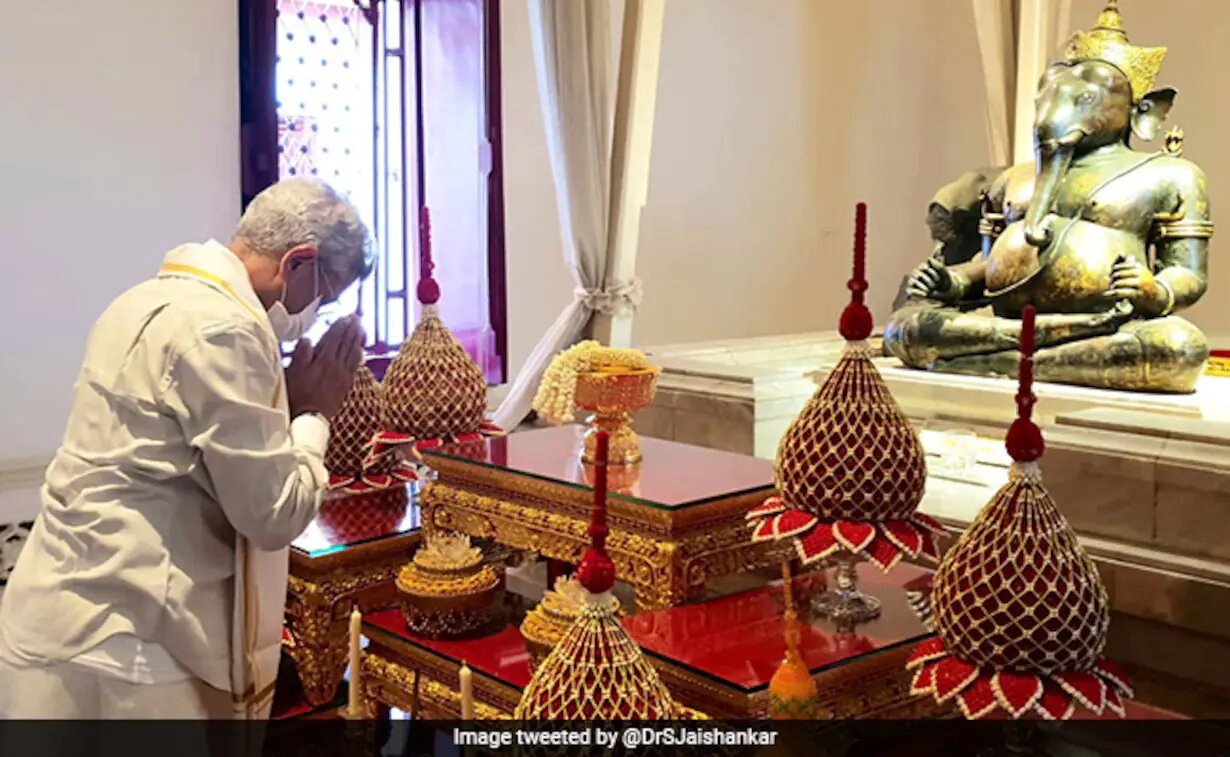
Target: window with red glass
[(328, 90)]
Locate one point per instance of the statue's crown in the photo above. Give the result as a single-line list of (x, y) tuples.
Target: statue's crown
[(1108, 42)]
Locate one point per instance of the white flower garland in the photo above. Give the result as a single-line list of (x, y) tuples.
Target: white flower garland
[(556, 398)]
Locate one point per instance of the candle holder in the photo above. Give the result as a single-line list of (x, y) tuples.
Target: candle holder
[(845, 604), (611, 397)]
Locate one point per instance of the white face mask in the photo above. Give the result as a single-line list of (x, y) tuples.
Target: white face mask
[(290, 327)]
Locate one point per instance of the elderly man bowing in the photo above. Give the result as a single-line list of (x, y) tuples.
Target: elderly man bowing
[(154, 579)]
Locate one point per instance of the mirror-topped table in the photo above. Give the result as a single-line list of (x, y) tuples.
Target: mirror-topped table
[(716, 656), (676, 518), (719, 656)]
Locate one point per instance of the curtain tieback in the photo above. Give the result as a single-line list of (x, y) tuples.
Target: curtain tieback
[(619, 298)]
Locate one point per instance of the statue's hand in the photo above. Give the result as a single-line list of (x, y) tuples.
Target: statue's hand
[(1134, 282), (932, 281)]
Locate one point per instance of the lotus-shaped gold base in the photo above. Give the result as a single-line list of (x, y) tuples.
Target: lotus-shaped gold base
[(446, 591), (612, 396), (550, 620)]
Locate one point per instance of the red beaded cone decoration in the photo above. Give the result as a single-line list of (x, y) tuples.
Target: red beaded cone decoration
[(434, 391), (351, 432), (1020, 611), (850, 469), (596, 671)]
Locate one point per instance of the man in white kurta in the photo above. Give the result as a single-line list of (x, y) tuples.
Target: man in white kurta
[(153, 582)]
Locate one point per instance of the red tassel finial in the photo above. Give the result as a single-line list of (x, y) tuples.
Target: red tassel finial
[(428, 289), (596, 571), (1025, 443), (856, 323)]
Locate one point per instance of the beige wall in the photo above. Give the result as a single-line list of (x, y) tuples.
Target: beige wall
[(120, 140), (774, 118), (538, 287)]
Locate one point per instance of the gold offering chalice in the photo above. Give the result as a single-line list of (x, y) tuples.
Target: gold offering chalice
[(611, 395)]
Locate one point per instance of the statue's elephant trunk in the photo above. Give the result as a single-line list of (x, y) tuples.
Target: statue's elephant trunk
[(1053, 160)]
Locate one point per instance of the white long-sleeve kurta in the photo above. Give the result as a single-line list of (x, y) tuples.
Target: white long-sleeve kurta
[(179, 468)]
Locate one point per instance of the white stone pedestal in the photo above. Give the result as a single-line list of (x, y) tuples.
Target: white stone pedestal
[(1143, 478)]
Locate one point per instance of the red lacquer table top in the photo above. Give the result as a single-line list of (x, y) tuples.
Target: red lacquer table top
[(672, 475), (738, 641), (735, 640), (352, 521), (501, 656)]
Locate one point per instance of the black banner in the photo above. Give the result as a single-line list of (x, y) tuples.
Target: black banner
[(409, 738)]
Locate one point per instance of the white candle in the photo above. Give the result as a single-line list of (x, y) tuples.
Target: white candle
[(356, 622), (467, 693)]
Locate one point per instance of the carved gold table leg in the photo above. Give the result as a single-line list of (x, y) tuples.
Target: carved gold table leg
[(427, 688), (317, 614), (318, 640)]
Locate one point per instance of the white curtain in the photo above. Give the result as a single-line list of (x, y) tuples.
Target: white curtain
[(572, 52), (1017, 39)]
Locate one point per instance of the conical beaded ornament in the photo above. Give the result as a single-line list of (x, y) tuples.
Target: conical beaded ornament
[(350, 435), (850, 470), (596, 671), (1020, 611), (434, 391)]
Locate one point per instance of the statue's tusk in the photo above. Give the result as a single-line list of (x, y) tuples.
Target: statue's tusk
[(1071, 139)]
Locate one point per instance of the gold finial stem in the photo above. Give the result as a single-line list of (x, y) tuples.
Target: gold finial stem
[(792, 618)]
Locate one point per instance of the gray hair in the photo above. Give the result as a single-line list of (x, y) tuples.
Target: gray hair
[(296, 212)]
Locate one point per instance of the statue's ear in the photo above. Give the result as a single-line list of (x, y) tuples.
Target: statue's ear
[(1151, 113)]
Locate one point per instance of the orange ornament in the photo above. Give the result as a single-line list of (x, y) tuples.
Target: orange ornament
[(792, 691)]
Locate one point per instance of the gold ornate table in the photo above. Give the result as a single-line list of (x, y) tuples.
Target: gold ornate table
[(676, 519), (715, 656), (350, 554), (420, 676)]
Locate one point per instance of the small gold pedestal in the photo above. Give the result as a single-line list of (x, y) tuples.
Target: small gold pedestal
[(447, 591), (612, 396)]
